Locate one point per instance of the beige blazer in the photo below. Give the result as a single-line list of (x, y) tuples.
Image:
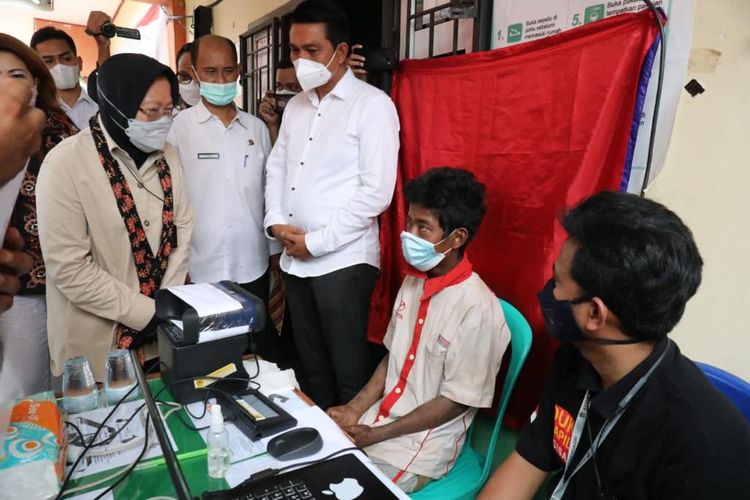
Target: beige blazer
[(92, 283)]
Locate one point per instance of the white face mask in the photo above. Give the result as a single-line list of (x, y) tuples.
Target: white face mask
[(146, 136), (190, 93), (312, 74), (66, 77), (149, 136)]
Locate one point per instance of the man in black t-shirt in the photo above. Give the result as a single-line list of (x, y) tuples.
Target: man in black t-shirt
[(624, 415)]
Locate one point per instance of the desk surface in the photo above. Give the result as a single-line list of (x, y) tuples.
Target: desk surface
[(146, 482), (155, 481)]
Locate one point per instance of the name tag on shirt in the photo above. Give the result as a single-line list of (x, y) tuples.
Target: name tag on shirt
[(208, 156)]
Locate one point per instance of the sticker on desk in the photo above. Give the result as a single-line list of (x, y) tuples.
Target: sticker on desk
[(222, 372), (249, 409)]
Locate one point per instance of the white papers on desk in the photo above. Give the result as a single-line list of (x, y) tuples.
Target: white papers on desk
[(240, 446), (311, 416), (124, 448), (93, 495), (206, 299)]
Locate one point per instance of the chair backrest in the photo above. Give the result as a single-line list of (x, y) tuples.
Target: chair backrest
[(520, 344), (733, 387)]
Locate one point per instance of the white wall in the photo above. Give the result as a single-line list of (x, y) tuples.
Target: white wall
[(706, 174), (231, 17), (706, 180), (18, 19)]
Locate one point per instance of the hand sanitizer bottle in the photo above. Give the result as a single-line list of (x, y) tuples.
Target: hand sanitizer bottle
[(218, 445)]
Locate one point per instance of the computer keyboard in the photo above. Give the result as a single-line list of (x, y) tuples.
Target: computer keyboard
[(284, 490)]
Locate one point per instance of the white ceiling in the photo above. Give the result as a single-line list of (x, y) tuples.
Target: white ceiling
[(66, 11)]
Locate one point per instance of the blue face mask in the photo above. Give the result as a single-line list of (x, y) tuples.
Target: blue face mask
[(420, 253), (219, 94)]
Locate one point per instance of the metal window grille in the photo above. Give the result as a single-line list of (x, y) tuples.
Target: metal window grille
[(435, 28)]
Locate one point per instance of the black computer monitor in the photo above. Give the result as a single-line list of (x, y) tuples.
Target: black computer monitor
[(173, 465)]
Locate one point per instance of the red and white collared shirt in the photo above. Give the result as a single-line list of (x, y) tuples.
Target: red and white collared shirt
[(447, 336)]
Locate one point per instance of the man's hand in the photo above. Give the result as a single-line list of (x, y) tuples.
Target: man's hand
[(344, 415), (94, 28), (296, 246), (267, 111), (20, 128), (94, 25), (364, 435), (13, 262), (357, 63), (293, 239)]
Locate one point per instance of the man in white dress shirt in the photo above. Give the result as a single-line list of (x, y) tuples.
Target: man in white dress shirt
[(223, 151), (58, 51), (331, 173)]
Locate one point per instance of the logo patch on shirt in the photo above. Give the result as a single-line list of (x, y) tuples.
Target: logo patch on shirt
[(443, 341), (401, 308), (562, 432)]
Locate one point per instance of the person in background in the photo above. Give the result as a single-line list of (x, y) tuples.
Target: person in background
[(23, 328), (58, 51), (190, 94), (331, 173), (272, 106), (445, 340), (224, 151), (21, 124), (114, 218), (623, 413), (356, 62)]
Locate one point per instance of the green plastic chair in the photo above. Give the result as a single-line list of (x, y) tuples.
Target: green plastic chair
[(471, 469)]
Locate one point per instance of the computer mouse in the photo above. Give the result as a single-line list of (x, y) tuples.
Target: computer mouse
[(294, 444)]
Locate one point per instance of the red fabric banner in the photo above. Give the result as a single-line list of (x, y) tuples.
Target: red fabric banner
[(543, 125)]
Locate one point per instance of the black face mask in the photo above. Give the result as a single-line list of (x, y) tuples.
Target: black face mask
[(559, 319)]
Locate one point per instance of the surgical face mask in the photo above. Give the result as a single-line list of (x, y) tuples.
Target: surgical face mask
[(219, 94), (146, 136), (149, 136), (421, 254), (560, 322), (312, 74), (190, 93), (66, 77)]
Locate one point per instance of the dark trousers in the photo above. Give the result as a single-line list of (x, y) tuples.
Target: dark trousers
[(329, 317), (262, 341)]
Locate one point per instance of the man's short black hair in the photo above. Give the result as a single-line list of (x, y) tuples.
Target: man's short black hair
[(185, 49), (638, 257), (326, 12), (197, 43), (453, 194), (52, 33), (284, 64)]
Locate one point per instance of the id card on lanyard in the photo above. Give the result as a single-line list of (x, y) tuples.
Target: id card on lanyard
[(562, 485)]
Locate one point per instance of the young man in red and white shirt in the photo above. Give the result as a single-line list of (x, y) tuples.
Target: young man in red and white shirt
[(445, 340)]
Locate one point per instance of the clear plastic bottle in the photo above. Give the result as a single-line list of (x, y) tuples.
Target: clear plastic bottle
[(218, 445)]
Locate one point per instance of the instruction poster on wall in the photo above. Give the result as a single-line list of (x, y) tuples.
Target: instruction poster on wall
[(518, 21)]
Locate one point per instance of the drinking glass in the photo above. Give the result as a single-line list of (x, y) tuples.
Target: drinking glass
[(79, 387), (120, 376)]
